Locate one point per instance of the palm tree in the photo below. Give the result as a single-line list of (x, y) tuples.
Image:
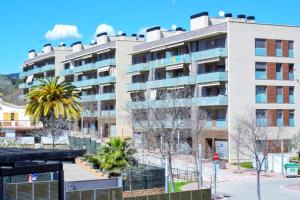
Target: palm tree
[(116, 155), (53, 99)]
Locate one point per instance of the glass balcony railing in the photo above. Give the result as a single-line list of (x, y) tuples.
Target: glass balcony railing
[(291, 99), (212, 77), (88, 113), (172, 82), (89, 66), (210, 101), (260, 51), (291, 76), (174, 60), (96, 81), (278, 75), (98, 97), (259, 75), (103, 113), (261, 122), (279, 98), (279, 52), (279, 122), (261, 98), (211, 53), (108, 113), (291, 53), (136, 86), (136, 68), (291, 122), (36, 70), (208, 124), (221, 123)]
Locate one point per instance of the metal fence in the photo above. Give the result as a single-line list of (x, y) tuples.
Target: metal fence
[(91, 145)]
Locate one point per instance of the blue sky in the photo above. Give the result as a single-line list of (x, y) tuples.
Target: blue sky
[(23, 24)]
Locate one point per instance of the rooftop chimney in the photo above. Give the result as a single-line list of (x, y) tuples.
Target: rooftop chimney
[(153, 34), (31, 54), (251, 19), (179, 30), (242, 17), (102, 38), (228, 16), (199, 20), (47, 48), (76, 46)]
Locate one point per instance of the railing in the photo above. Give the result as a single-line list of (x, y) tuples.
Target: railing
[(279, 98), (278, 75), (260, 75), (174, 60), (279, 52), (279, 122), (261, 122), (28, 85), (136, 86), (96, 81), (89, 66), (211, 53), (260, 51), (212, 77), (138, 67), (291, 99), (291, 122), (210, 101), (98, 97), (108, 113), (172, 82), (221, 123), (291, 53), (291, 76), (261, 98), (18, 124), (36, 70)]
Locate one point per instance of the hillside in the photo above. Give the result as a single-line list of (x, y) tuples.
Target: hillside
[(9, 88)]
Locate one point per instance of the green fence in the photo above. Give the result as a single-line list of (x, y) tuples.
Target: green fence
[(204, 194), (89, 144)]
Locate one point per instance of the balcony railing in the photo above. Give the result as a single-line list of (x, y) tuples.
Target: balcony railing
[(210, 101), (291, 53), (19, 124), (279, 98), (259, 75), (172, 82), (291, 122), (279, 52), (208, 54), (108, 113), (221, 123), (174, 60), (138, 68), (36, 70), (261, 122), (278, 75), (28, 85), (291, 99), (279, 122), (211, 77), (260, 51), (136, 86), (88, 113), (261, 98), (89, 66), (96, 81), (291, 76), (98, 97)]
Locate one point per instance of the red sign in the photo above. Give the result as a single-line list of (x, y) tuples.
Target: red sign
[(215, 156)]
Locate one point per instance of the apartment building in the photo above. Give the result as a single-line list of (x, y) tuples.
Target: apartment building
[(231, 64), (39, 65), (98, 70)]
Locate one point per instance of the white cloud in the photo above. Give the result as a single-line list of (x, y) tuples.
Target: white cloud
[(174, 26), (120, 32), (105, 28), (62, 31)]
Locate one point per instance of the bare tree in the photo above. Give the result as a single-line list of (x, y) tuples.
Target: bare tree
[(295, 144), (198, 124), (161, 118), (254, 141), (236, 140)]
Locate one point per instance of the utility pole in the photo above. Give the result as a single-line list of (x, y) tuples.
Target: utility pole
[(215, 159), (166, 175)]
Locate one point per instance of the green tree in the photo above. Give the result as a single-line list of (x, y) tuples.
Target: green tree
[(53, 99), (115, 156)]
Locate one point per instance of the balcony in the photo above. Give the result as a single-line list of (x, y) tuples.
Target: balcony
[(291, 53), (96, 81), (172, 82), (279, 52), (108, 113), (136, 68), (28, 85), (261, 98), (291, 99), (88, 113), (210, 101), (221, 123), (19, 124), (208, 54), (291, 122), (278, 75), (279, 98), (136, 87), (89, 66), (279, 122), (291, 76), (260, 51), (36, 70), (98, 97), (174, 60), (260, 75), (212, 77)]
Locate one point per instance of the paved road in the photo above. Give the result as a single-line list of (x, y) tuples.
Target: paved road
[(73, 172)]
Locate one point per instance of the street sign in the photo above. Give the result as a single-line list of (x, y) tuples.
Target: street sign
[(216, 156), (34, 177)]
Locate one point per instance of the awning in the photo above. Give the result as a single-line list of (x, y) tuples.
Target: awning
[(87, 87), (29, 79), (158, 49), (180, 66), (175, 45), (106, 84), (135, 73), (104, 51), (175, 88), (209, 60), (209, 84), (103, 69), (86, 56)]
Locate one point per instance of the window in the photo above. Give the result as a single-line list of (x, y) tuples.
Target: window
[(260, 71), (291, 72), (291, 94), (278, 48), (279, 118), (291, 118), (279, 71), (260, 43), (279, 94), (291, 49), (261, 96), (261, 119)]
